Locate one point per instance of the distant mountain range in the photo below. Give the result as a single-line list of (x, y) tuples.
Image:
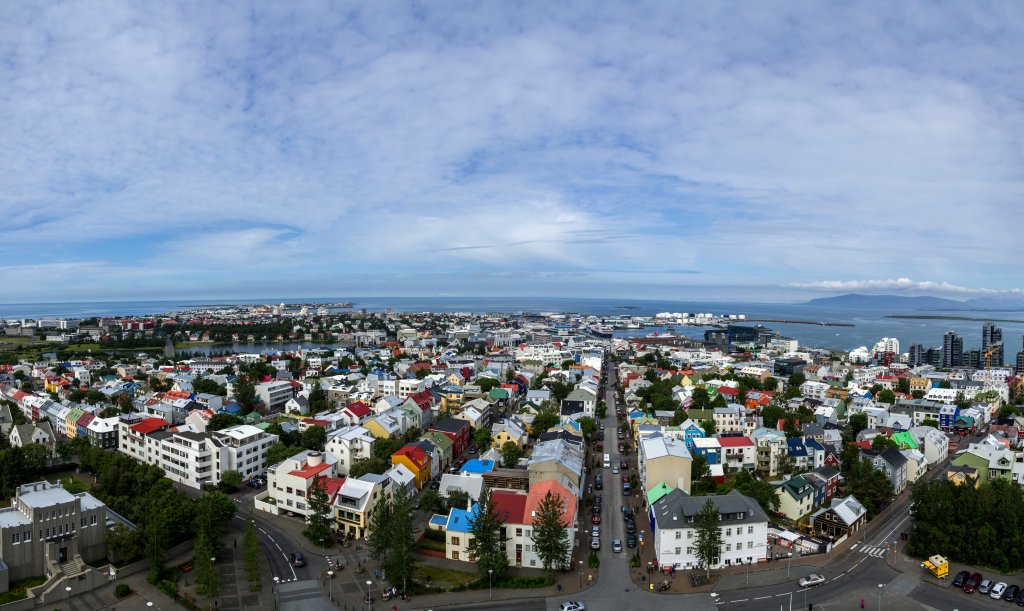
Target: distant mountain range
[(903, 302)]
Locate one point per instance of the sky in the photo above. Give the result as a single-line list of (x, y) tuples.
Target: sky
[(761, 151)]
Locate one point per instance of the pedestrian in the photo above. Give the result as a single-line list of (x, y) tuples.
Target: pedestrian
[(862, 603), (394, 607)]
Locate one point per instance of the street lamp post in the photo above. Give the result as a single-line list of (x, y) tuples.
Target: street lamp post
[(67, 596), (714, 597), (880, 586), (789, 564), (213, 598), (581, 574), (369, 600), (490, 584), (277, 584), (113, 577)]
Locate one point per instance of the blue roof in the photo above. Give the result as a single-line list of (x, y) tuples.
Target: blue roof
[(231, 408), (478, 466), (796, 447), (460, 520), (439, 519), (814, 445)]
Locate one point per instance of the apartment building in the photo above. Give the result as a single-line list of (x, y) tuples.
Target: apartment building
[(744, 529), (349, 445), (289, 482), (275, 395)]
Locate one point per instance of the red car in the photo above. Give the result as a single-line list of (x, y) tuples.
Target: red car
[(596, 519), (972, 583), (625, 479)]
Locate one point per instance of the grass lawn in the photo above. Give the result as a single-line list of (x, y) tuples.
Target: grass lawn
[(437, 546), (442, 576), (63, 476), (19, 589)]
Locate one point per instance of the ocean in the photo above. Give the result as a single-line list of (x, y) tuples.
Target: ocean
[(870, 325)]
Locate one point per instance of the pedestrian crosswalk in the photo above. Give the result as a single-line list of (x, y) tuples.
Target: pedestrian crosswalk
[(871, 550)]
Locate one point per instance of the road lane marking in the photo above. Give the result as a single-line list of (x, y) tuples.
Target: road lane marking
[(854, 546), (764, 597)]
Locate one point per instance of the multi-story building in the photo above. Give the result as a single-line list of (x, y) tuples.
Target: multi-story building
[(674, 520), (662, 459), (349, 445), (992, 337), (46, 528), (952, 350), (289, 482), (355, 501), (276, 394)]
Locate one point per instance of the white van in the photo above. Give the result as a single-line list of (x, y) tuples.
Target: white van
[(607, 461)]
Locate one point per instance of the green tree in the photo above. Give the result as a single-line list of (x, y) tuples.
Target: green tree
[(770, 384), (314, 437), (363, 466), (379, 526), (251, 553), (930, 422), (458, 499), (869, 485), (709, 427), (797, 379), (881, 442), (208, 386), (385, 447), (401, 561), (245, 394), (510, 454), (708, 544), (123, 543), (855, 424), (550, 535), (482, 438), (222, 421), (887, 396), (587, 426), (432, 502), (487, 543), (278, 452), (207, 579), (231, 480), (759, 490), (317, 399), (1008, 410), (213, 511), (319, 518), (487, 384), (546, 418), (771, 414)]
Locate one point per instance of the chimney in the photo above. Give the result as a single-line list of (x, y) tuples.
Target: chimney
[(314, 459)]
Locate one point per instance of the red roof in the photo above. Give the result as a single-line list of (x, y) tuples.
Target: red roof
[(735, 442), (308, 471), (728, 390), (537, 493), (422, 399), (414, 453), (149, 425), (331, 485), (509, 506), (315, 422), (358, 409)]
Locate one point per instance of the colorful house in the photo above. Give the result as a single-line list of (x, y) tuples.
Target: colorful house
[(416, 460)]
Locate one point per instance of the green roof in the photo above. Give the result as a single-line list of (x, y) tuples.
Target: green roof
[(498, 393), (655, 494), (905, 440)]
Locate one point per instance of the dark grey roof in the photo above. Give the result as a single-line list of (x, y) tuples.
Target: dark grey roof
[(673, 509)]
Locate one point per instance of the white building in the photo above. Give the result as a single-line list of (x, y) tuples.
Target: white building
[(289, 481), (744, 529), (274, 395), (349, 445)]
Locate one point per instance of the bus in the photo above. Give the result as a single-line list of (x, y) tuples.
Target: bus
[(607, 461)]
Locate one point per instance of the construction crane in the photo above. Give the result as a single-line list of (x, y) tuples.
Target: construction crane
[(988, 361)]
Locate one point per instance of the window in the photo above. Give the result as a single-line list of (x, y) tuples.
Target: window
[(14, 537), (27, 537), (679, 534), (750, 530), (455, 555), (750, 545), (678, 550), (689, 534), (728, 532), (455, 541), (728, 547), (519, 532), (92, 520)]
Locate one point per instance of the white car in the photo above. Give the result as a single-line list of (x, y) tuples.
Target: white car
[(997, 590), (615, 470), (811, 580), (572, 605)]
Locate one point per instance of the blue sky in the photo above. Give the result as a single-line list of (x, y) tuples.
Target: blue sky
[(677, 150)]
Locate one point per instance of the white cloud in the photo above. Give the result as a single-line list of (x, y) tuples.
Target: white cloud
[(902, 285)]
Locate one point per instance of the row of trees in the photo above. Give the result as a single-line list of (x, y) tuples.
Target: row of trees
[(981, 526)]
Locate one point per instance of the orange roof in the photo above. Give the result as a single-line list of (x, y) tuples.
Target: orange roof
[(537, 493), (308, 471), (413, 453)]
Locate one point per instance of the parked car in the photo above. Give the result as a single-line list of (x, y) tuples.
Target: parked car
[(1011, 594), (600, 436), (985, 586), (627, 514), (622, 447), (630, 526), (596, 508), (813, 579), (597, 499), (596, 518), (625, 479), (615, 469), (572, 605), (998, 590), (598, 485), (972, 582), (631, 540), (624, 464), (616, 545), (1020, 598), (297, 559), (595, 543), (595, 531), (961, 578)]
